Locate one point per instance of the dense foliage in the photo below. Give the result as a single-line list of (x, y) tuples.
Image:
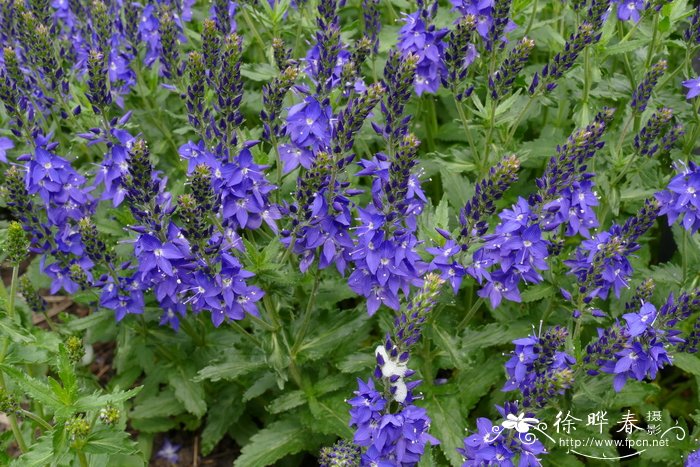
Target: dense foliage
[(346, 232)]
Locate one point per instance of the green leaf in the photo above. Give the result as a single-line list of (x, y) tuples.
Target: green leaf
[(495, 334), (327, 339), (163, 404), (447, 424), (260, 72), (110, 441), (690, 363), (272, 443), (230, 370), (228, 411), (14, 332), (448, 343), (98, 400), (262, 384), (189, 393), (356, 363), (40, 454), (287, 401), (329, 415), (476, 383), (34, 388), (537, 292), (621, 48)]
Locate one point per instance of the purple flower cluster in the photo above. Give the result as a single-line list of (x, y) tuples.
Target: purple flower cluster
[(518, 251), (473, 222), (65, 199), (385, 256), (640, 347), (420, 38), (539, 368), (320, 217), (239, 185), (505, 444), (309, 130), (681, 199), (395, 436), (630, 10), (483, 11), (644, 352), (390, 439), (188, 265), (601, 264), (693, 459)]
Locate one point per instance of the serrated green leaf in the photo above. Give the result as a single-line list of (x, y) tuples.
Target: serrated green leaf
[(287, 401), (356, 363), (330, 416), (229, 370), (621, 48), (449, 344), (164, 404), (109, 441), (537, 292), (15, 333), (189, 393), (34, 388), (228, 411), (690, 363), (99, 400), (272, 443), (447, 424)]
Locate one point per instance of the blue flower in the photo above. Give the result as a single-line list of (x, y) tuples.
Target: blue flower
[(638, 323), (425, 42), (5, 144), (630, 9), (681, 199), (693, 459), (693, 86), (496, 445), (309, 124), (638, 361), (169, 452)]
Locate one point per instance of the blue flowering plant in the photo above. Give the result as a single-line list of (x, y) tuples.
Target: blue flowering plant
[(349, 233)]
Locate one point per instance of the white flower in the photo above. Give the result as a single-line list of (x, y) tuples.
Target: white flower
[(390, 367)]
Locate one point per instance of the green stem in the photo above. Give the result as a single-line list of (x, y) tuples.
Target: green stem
[(587, 78), (489, 135), (532, 18), (633, 29), (652, 45), (467, 130), (14, 426), (431, 123), (83, 459), (13, 293), (625, 129), (477, 304), (306, 319), (520, 116), (31, 415), (249, 22), (247, 334), (684, 255), (696, 128)]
